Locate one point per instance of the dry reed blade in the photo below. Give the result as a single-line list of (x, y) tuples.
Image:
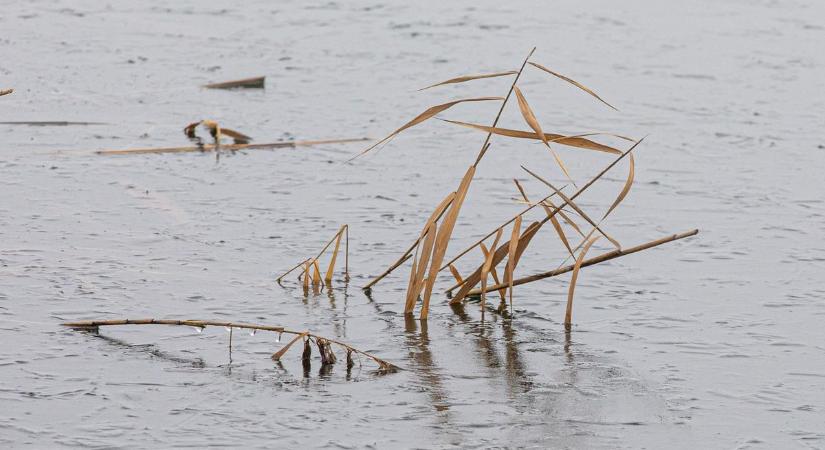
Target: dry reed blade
[(443, 238), (511, 257), (456, 274), (568, 315), (577, 141), (547, 204), (5, 92), (428, 114), (291, 270), (485, 269), (501, 292), (239, 137), (628, 183), (421, 270), (280, 353), (573, 82), (470, 78), (531, 120), (307, 274), (316, 273), (595, 260), (331, 268)]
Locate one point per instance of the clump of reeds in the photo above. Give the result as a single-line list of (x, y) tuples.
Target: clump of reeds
[(310, 273), (325, 345), (429, 249)]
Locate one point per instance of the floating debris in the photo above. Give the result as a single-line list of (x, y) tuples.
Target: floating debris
[(245, 83), (210, 147)]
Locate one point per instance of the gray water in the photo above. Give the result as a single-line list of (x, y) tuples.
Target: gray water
[(711, 342)]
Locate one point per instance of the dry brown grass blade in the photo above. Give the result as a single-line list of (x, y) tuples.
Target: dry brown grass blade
[(573, 82), (577, 141), (280, 353), (316, 273), (428, 114), (290, 270), (409, 304), (568, 315), (456, 274), (307, 274), (331, 268), (625, 189), (426, 253), (237, 136), (485, 269), (5, 92), (443, 238), (511, 256), (531, 120), (501, 292), (470, 78)]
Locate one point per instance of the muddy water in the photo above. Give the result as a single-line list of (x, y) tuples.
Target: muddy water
[(712, 342)]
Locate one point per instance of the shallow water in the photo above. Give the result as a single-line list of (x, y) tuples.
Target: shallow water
[(715, 341)]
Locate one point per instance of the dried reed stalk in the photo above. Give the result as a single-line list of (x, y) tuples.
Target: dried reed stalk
[(493, 272), (595, 260), (568, 315), (94, 325), (246, 83), (5, 92), (511, 257), (210, 147)]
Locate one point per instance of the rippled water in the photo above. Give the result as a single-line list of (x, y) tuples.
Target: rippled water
[(715, 341)]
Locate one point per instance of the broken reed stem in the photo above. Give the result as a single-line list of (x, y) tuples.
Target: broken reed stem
[(93, 325), (291, 270), (209, 147), (313, 262), (589, 262), (5, 92)]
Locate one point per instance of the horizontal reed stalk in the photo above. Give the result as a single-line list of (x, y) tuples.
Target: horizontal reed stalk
[(589, 262), (209, 147), (95, 324)]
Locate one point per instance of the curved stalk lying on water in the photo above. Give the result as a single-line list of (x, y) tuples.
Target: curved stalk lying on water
[(93, 325)]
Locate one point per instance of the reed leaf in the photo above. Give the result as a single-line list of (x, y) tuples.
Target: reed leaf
[(470, 78), (428, 114), (627, 185), (531, 120), (443, 238), (331, 268), (456, 274), (568, 315), (5, 92), (501, 292), (577, 141), (485, 269), (551, 216), (511, 256), (426, 253), (280, 353), (573, 82)]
